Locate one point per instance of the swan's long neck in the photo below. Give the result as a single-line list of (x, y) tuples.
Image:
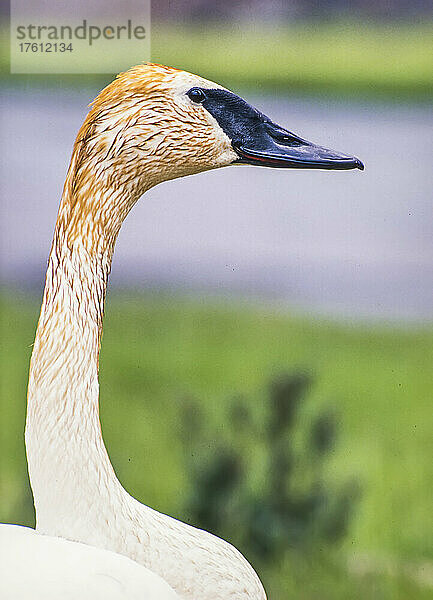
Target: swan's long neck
[(70, 472), (76, 493)]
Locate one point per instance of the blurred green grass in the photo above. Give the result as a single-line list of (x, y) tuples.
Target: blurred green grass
[(392, 60), (158, 350)]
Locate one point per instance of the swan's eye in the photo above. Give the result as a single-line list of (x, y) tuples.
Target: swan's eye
[(196, 95)]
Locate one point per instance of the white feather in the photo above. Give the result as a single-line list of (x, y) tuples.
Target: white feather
[(41, 567)]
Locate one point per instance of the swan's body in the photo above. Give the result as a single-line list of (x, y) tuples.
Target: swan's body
[(150, 125), (53, 568)]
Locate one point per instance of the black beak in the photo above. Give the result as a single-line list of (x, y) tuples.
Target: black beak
[(259, 141), (269, 145)]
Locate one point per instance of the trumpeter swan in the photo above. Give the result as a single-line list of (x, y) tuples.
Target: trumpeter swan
[(152, 124)]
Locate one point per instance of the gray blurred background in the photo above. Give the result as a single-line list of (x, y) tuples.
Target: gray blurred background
[(340, 243)]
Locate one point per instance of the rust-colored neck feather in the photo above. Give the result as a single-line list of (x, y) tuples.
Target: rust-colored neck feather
[(63, 430)]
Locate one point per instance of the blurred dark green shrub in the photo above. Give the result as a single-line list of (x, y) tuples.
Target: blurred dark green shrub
[(293, 507)]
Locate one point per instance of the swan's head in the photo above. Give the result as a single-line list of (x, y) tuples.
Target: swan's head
[(165, 123)]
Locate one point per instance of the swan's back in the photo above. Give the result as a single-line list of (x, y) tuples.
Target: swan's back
[(39, 567)]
